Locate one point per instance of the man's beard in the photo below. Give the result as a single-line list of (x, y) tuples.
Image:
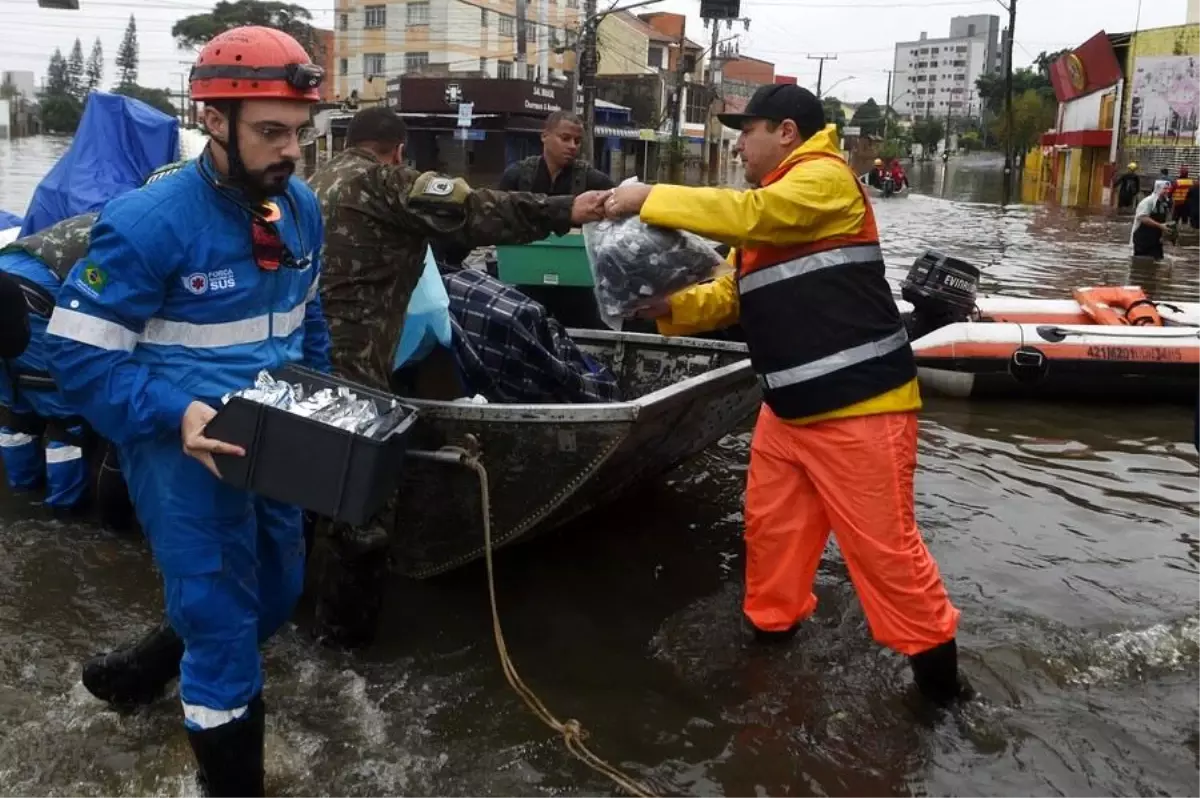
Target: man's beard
[(273, 180)]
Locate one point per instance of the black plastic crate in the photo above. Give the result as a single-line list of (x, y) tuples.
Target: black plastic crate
[(293, 459)]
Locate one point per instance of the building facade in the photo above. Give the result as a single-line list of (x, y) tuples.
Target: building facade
[(375, 41), (936, 77)]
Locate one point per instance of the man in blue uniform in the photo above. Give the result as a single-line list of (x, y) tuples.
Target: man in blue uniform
[(191, 286)]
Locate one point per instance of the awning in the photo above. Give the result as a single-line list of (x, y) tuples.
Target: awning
[(1078, 138)]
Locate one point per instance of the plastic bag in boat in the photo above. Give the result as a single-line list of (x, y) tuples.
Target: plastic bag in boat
[(427, 319), (120, 141), (634, 264)]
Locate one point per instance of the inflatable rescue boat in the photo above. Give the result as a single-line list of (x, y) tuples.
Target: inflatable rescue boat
[(1110, 343)]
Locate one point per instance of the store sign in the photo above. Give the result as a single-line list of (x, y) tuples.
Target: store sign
[(487, 95), (1089, 67)]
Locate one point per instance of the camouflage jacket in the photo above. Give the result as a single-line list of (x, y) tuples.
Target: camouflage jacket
[(60, 245), (379, 219)]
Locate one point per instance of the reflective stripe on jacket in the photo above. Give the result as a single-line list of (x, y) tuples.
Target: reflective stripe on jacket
[(1180, 189), (824, 333)]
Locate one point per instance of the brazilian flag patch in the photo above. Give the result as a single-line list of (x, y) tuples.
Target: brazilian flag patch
[(94, 277)]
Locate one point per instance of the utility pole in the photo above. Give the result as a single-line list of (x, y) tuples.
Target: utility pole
[(522, 71), (887, 108), (712, 129), (1008, 102), (587, 72), (821, 68), (677, 111)]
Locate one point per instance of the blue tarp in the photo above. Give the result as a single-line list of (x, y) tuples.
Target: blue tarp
[(8, 220), (120, 141)]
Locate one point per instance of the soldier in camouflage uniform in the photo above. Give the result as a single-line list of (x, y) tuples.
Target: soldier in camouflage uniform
[(30, 403), (557, 171), (380, 217)]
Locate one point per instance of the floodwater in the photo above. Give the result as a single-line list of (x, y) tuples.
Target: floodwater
[(1067, 536)]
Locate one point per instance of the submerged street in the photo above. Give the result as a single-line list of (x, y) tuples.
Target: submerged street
[(1066, 535)]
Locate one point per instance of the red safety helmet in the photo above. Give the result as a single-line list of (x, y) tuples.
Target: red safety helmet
[(255, 63)]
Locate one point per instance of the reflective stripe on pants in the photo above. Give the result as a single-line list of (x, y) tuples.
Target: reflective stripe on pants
[(853, 476)]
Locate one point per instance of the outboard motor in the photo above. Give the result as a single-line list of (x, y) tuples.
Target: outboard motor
[(942, 291), (889, 186)]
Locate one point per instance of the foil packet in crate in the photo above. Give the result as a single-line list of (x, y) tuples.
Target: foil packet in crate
[(339, 407)]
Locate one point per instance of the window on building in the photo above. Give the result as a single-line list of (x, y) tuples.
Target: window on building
[(961, 48), (922, 65), (933, 63), (483, 18), (920, 78), (415, 62), (483, 64), (960, 76), (374, 65), (343, 66), (508, 25), (418, 13), (934, 51), (531, 32), (924, 51), (960, 63), (343, 22), (504, 70), (920, 92), (572, 3), (656, 57), (375, 17), (970, 30)]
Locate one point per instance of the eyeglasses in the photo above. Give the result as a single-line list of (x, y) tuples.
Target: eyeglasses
[(279, 135)]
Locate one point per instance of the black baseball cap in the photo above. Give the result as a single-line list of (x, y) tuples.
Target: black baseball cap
[(780, 102)]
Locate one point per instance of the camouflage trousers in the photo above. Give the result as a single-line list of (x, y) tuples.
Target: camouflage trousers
[(350, 568)]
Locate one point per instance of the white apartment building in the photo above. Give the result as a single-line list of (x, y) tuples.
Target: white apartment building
[(23, 81), (936, 77), (375, 40)]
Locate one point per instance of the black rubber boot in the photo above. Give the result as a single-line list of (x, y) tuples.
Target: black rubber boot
[(137, 674), (351, 579), (230, 757), (773, 637), (936, 674)]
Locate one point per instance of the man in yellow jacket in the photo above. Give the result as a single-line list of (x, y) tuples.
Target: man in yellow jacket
[(836, 441)]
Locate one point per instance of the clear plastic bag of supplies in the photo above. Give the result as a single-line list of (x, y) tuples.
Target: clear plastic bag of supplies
[(634, 264)]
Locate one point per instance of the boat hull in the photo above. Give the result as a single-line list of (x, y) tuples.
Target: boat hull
[(548, 464)]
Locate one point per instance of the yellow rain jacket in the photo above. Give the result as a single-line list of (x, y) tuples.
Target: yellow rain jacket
[(817, 199)]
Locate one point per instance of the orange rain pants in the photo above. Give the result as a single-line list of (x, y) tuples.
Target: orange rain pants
[(854, 476)]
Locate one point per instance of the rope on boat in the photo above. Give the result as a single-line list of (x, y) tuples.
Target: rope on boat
[(572, 730)]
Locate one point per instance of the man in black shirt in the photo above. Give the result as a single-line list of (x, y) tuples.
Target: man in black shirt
[(557, 171)]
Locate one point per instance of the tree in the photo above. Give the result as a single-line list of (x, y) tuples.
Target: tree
[(58, 80), (8, 89), (970, 141), (95, 67), (1033, 114), (928, 132), (869, 117), (834, 113), (155, 98), (127, 56), (75, 71), (198, 29), (60, 113), (991, 87)]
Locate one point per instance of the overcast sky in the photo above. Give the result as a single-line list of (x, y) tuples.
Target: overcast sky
[(861, 32)]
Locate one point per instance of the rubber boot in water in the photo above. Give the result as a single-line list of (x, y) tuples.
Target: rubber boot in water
[(230, 757), (137, 674), (936, 674), (351, 580)]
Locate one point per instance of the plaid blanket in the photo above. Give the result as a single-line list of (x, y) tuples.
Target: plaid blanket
[(510, 350)]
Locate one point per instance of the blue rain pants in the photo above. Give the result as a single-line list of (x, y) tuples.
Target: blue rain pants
[(233, 569)]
